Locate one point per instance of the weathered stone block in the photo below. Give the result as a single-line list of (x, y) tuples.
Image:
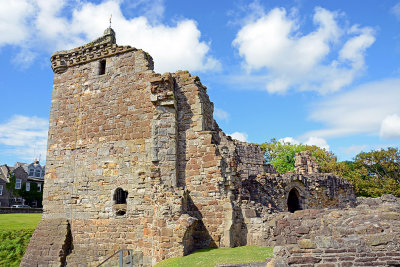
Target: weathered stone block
[(306, 243)]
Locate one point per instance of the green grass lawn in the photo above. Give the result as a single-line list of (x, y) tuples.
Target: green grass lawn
[(15, 232), (210, 257), (19, 221)]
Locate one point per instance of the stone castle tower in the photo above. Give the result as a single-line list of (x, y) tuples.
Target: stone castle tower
[(135, 160)]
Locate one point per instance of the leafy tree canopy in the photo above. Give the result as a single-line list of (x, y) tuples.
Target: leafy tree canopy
[(281, 155)]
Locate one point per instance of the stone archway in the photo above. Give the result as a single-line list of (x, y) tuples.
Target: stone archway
[(293, 201)]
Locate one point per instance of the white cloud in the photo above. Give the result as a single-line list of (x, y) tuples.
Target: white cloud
[(25, 137), (361, 110), (390, 127), (302, 61), (289, 140), (221, 114), (13, 21), (239, 136), (396, 10), (43, 24), (311, 141), (317, 141)]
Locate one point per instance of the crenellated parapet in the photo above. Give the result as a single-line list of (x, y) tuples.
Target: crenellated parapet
[(102, 47)]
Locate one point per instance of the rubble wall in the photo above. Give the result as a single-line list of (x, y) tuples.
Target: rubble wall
[(361, 236)]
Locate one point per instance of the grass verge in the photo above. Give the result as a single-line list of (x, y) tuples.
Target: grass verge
[(209, 257), (15, 232)]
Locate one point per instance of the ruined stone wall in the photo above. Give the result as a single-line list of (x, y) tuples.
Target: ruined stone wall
[(251, 160), (199, 162), (45, 253), (362, 236), (118, 130), (109, 131), (98, 136), (148, 134), (305, 163), (263, 195), (316, 191), (99, 139)]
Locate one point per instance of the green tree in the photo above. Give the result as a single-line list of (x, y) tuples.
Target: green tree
[(376, 173), (382, 164), (281, 155)]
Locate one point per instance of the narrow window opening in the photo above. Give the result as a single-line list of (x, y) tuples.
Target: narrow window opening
[(102, 67), (119, 198)]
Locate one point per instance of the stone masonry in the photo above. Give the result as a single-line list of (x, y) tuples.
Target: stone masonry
[(135, 160), (368, 235)]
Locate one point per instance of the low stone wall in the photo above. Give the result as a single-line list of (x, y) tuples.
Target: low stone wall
[(40, 252), (5, 210), (252, 264), (368, 235), (345, 257)]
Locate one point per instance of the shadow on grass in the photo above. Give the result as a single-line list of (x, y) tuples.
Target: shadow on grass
[(203, 250)]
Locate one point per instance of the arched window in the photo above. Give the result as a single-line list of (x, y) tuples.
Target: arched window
[(120, 196)]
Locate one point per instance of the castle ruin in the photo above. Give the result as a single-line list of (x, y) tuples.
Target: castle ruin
[(136, 161)]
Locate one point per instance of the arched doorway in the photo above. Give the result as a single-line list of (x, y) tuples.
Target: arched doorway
[(293, 201)]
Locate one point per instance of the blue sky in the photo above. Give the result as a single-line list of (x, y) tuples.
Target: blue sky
[(316, 72)]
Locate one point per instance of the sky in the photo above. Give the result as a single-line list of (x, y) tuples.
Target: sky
[(323, 73)]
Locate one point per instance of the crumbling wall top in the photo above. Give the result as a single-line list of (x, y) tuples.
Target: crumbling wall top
[(305, 163)]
